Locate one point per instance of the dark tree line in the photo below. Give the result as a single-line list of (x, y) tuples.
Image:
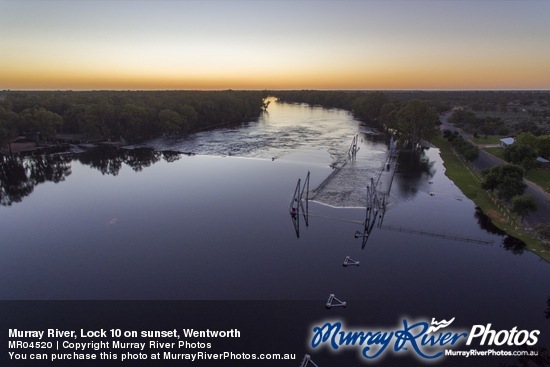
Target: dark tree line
[(469, 121), (439, 101), (467, 150), (366, 106), (328, 99), (132, 115), (477, 101), (534, 117)]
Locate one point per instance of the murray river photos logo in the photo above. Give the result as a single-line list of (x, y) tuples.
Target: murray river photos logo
[(427, 341)]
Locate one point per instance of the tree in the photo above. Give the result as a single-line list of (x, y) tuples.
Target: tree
[(171, 122), (523, 205), (510, 187), (415, 122), (99, 120), (368, 107), (48, 122), (490, 126), (463, 117), (522, 155), (387, 116), (526, 139), (41, 121), (8, 131), (506, 180), (543, 146), (469, 151), (189, 116)]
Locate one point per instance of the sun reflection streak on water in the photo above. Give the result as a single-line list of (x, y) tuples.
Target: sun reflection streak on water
[(280, 131)]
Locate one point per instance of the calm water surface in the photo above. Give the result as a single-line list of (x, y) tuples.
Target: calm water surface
[(216, 226)]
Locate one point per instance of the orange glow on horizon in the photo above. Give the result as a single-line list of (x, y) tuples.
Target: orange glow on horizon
[(386, 80), (361, 75)]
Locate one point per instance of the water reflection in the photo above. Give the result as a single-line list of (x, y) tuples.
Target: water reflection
[(45, 168), (514, 245), (486, 224), (376, 208), (108, 160), (14, 182), (141, 158), (414, 168), (509, 243), (171, 156), (19, 176)]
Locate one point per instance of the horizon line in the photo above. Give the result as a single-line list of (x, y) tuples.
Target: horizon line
[(276, 89)]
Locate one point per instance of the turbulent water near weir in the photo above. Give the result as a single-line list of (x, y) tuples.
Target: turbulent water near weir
[(156, 224), (300, 133)]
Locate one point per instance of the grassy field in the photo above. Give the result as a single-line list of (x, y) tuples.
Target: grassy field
[(491, 139), (470, 185), (497, 152)]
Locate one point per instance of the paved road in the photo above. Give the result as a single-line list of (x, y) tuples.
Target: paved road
[(486, 160), (446, 125)]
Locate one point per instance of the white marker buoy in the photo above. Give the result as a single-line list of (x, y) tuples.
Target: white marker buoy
[(334, 302), (349, 262)]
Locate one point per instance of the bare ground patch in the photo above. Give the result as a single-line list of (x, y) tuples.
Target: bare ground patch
[(493, 214)]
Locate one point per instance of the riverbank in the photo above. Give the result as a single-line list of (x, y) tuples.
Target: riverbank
[(62, 142), (469, 183)]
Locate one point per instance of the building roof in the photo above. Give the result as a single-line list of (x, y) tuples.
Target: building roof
[(507, 141), (542, 160)]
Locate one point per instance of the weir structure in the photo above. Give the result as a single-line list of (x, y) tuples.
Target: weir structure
[(353, 149), (351, 155), (377, 196), (376, 199), (301, 195)]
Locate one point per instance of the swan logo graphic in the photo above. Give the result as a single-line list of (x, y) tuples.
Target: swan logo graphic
[(439, 325)]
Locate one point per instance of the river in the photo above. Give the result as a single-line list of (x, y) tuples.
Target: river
[(148, 224)]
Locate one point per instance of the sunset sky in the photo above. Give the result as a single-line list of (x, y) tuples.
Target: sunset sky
[(280, 44)]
